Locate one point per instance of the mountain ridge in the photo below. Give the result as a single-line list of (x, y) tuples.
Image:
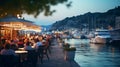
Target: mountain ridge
[(89, 20)]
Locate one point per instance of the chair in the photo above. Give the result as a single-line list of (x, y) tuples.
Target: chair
[(42, 50), (32, 57), (14, 47), (8, 60), (46, 49), (0, 61)]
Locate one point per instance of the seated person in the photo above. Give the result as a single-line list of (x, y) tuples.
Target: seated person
[(28, 46), (13, 45), (38, 43), (7, 50), (20, 43), (8, 53)]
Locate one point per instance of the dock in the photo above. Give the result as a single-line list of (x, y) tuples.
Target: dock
[(57, 58)]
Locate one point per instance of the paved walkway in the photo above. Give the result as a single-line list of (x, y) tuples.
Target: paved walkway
[(57, 58)]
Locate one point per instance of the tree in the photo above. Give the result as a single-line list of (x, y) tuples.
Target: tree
[(35, 7)]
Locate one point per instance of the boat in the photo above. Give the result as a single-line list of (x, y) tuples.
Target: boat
[(101, 37), (115, 34)]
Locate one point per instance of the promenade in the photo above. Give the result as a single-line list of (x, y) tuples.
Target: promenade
[(56, 58)]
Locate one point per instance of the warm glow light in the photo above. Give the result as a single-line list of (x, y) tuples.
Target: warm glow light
[(18, 16)]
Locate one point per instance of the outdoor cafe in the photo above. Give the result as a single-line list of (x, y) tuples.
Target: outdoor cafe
[(12, 27)]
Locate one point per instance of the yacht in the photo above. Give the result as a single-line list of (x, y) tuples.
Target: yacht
[(101, 37)]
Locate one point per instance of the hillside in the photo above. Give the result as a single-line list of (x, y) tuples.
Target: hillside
[(89, 20)]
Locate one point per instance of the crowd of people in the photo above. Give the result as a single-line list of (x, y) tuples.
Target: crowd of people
[(32, 42), (8, 47)]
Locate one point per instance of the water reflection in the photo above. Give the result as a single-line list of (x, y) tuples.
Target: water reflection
[(95, 55)]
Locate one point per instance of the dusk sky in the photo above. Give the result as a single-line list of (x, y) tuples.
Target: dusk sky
[(78, 7)]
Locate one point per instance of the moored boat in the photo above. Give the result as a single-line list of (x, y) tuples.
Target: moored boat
[(101, 37)]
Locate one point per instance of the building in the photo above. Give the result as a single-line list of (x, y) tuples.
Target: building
[(115, 33), (117, 23)]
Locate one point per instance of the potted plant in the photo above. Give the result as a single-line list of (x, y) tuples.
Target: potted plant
[(69, 52)]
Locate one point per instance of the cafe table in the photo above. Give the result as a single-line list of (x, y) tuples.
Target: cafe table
[(22, 54), (21, 49)]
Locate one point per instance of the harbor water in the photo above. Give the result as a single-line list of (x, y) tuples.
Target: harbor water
[(95, 55)]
